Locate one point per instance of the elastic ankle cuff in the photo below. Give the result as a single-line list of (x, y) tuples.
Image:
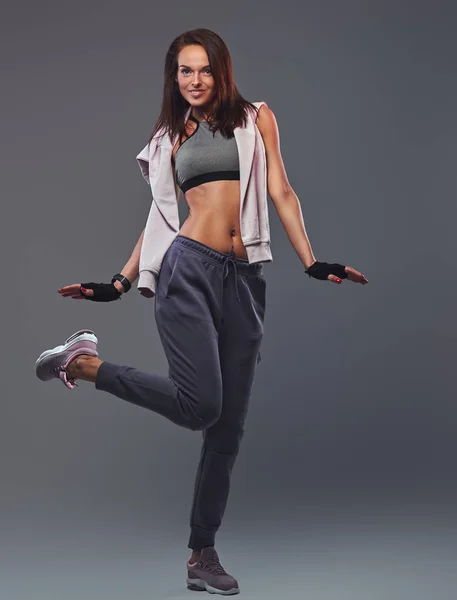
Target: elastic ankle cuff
[(200, 538)]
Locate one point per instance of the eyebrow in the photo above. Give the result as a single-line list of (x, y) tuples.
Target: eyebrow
[(187, 66)]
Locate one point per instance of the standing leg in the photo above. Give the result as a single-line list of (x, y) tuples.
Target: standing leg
[(240, 337)]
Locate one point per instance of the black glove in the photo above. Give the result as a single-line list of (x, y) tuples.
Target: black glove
[(103, 292), (321, 270)]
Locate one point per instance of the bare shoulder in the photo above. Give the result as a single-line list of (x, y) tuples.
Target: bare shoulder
[(268, 127), (266, 120)]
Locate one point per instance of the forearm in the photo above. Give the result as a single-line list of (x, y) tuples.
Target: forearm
[(290, 214), (132, 267)]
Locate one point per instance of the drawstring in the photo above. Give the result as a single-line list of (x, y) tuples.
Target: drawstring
[(225, 271)]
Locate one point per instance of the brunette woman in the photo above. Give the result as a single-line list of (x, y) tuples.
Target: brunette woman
[(206, 275)]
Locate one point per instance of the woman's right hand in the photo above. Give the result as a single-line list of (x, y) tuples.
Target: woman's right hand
[(97, 292)]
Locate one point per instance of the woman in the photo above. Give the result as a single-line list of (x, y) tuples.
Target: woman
[(209, 286)]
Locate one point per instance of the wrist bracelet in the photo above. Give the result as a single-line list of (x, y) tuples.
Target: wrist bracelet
[(122, 279)]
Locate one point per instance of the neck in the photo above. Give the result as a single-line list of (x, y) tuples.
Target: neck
[(199, 117)]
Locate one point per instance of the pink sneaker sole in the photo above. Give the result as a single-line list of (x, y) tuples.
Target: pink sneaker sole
[(53, 363)]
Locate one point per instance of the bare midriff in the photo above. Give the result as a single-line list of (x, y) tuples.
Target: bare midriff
[(214, 214)]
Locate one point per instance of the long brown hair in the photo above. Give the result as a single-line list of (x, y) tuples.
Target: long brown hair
[(228, 109)]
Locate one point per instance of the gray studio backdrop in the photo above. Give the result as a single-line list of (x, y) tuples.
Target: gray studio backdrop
[(353, 419)]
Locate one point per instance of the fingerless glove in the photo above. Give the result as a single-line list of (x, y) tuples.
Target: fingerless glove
[(103, 292), (321, 270)]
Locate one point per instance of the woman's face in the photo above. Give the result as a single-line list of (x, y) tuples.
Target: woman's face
[(194, 73)]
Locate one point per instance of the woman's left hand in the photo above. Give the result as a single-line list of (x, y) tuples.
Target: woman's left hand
[(334, 272)]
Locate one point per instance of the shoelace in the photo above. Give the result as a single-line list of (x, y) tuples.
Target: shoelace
[(58, 370), (61, 373), (213, 566)]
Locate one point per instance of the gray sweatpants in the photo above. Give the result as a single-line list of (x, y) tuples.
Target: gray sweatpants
[(209, 310)]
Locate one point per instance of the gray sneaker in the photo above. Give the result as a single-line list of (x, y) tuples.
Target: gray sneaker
[(208, 574)]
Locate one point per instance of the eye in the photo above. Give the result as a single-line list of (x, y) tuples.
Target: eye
[(185, 71)]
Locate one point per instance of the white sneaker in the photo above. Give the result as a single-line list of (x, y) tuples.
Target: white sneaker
[(53, 363)]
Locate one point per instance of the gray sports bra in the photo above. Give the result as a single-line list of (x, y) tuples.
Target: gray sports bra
[(204, 157)]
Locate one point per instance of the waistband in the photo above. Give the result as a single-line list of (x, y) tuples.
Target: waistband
[(219, 258)]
